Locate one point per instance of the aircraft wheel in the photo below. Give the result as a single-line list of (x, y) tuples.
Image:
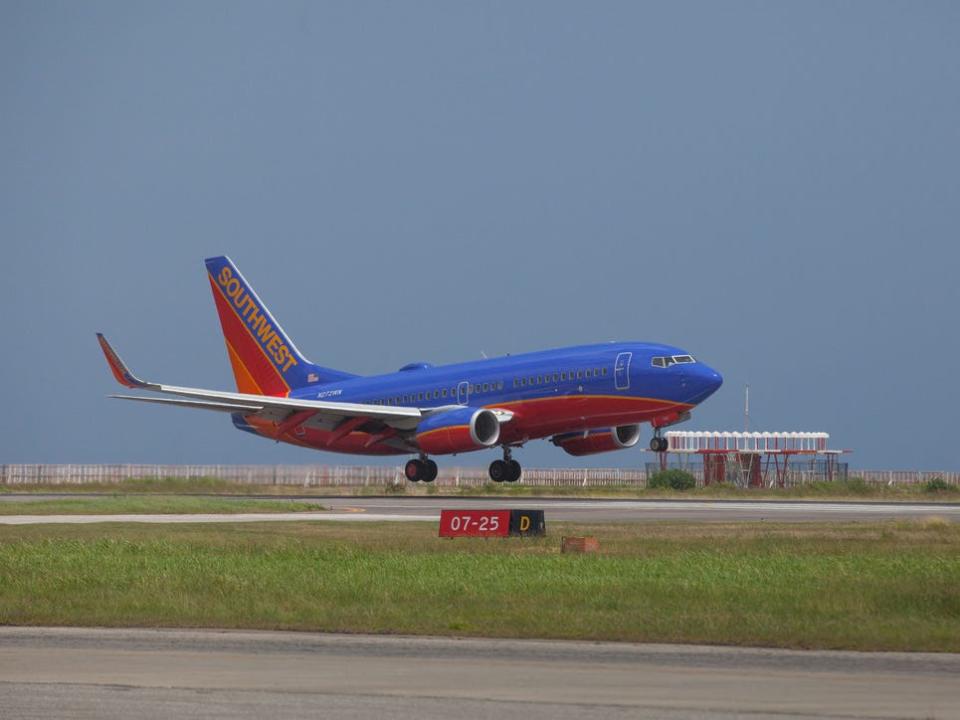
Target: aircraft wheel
[(655, 443), (513, 470), (430, 471), (498, 471), (664, 444), (414, 470)]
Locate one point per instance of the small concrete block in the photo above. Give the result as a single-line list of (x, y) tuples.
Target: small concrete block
[(579, 545)]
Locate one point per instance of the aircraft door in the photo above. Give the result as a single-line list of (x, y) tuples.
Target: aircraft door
[(621, 371), (463, 393)]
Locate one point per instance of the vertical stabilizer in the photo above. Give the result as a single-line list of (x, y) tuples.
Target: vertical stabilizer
[(264, 359)]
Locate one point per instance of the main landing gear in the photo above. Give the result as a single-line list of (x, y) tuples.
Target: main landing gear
[(419, 469), (506, 470), (658, 443)]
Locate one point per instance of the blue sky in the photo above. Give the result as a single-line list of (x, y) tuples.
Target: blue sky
[(773, 186)]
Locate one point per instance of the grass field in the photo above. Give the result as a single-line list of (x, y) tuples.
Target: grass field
[(889, 586), (140, 504), (853, 490)]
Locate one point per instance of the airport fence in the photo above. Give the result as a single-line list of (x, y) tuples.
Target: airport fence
[(380, 475), (308, 475), (905, 477)]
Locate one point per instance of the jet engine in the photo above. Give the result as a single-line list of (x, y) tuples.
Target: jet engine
[(459, 430), (598, 441)]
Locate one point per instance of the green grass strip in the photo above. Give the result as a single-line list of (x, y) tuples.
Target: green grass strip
[(147, 504), (853, 489), (892, 586)]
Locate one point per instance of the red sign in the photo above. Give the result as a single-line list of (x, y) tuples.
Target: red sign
[(474, 523)]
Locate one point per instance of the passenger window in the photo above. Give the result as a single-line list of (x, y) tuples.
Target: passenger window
[(556, 377), (420, 396), (603, 371), (533, 381), (596, 372), (579, 374), (443, 393), (523, 382)]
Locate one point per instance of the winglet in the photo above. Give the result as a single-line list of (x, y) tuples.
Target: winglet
[(119, 370)]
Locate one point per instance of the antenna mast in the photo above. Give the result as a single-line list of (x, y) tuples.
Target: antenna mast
[(746, 409)]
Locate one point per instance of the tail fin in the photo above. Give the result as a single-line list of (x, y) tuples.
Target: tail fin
[(265, 361)]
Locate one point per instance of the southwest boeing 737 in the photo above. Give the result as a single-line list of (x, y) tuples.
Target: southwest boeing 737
[(586, 399)]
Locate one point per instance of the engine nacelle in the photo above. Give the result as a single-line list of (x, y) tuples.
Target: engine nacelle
[(459, 430), (598, 441)]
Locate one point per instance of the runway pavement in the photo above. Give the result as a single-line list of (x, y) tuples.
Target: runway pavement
[(589, 510), (583, 510), (111, 673)]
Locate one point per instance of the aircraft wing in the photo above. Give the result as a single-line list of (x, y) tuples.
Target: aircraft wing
[(277, 408)]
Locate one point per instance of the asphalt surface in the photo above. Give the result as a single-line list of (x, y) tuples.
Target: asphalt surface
[(590, 511), (573, 509), (111, 673)]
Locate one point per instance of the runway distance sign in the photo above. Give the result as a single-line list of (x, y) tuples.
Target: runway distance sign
[(474, 523)]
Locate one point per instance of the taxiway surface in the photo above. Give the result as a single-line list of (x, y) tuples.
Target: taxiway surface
[(115, 673), (427, 509)]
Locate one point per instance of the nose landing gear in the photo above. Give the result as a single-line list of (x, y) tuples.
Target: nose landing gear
[(506, 470), (421, 468), (658, 443)]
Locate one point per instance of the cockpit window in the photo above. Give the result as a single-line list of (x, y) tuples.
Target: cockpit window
[(666, 361)]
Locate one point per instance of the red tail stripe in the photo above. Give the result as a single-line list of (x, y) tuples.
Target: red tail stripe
[(248, 350)]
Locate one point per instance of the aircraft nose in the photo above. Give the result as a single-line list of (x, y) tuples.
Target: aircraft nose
[(706, 382)]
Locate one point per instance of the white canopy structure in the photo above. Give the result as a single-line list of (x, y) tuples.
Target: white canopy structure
[(686, 441), (747, 458)]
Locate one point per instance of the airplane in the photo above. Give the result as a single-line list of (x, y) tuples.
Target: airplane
[(587, 399)]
